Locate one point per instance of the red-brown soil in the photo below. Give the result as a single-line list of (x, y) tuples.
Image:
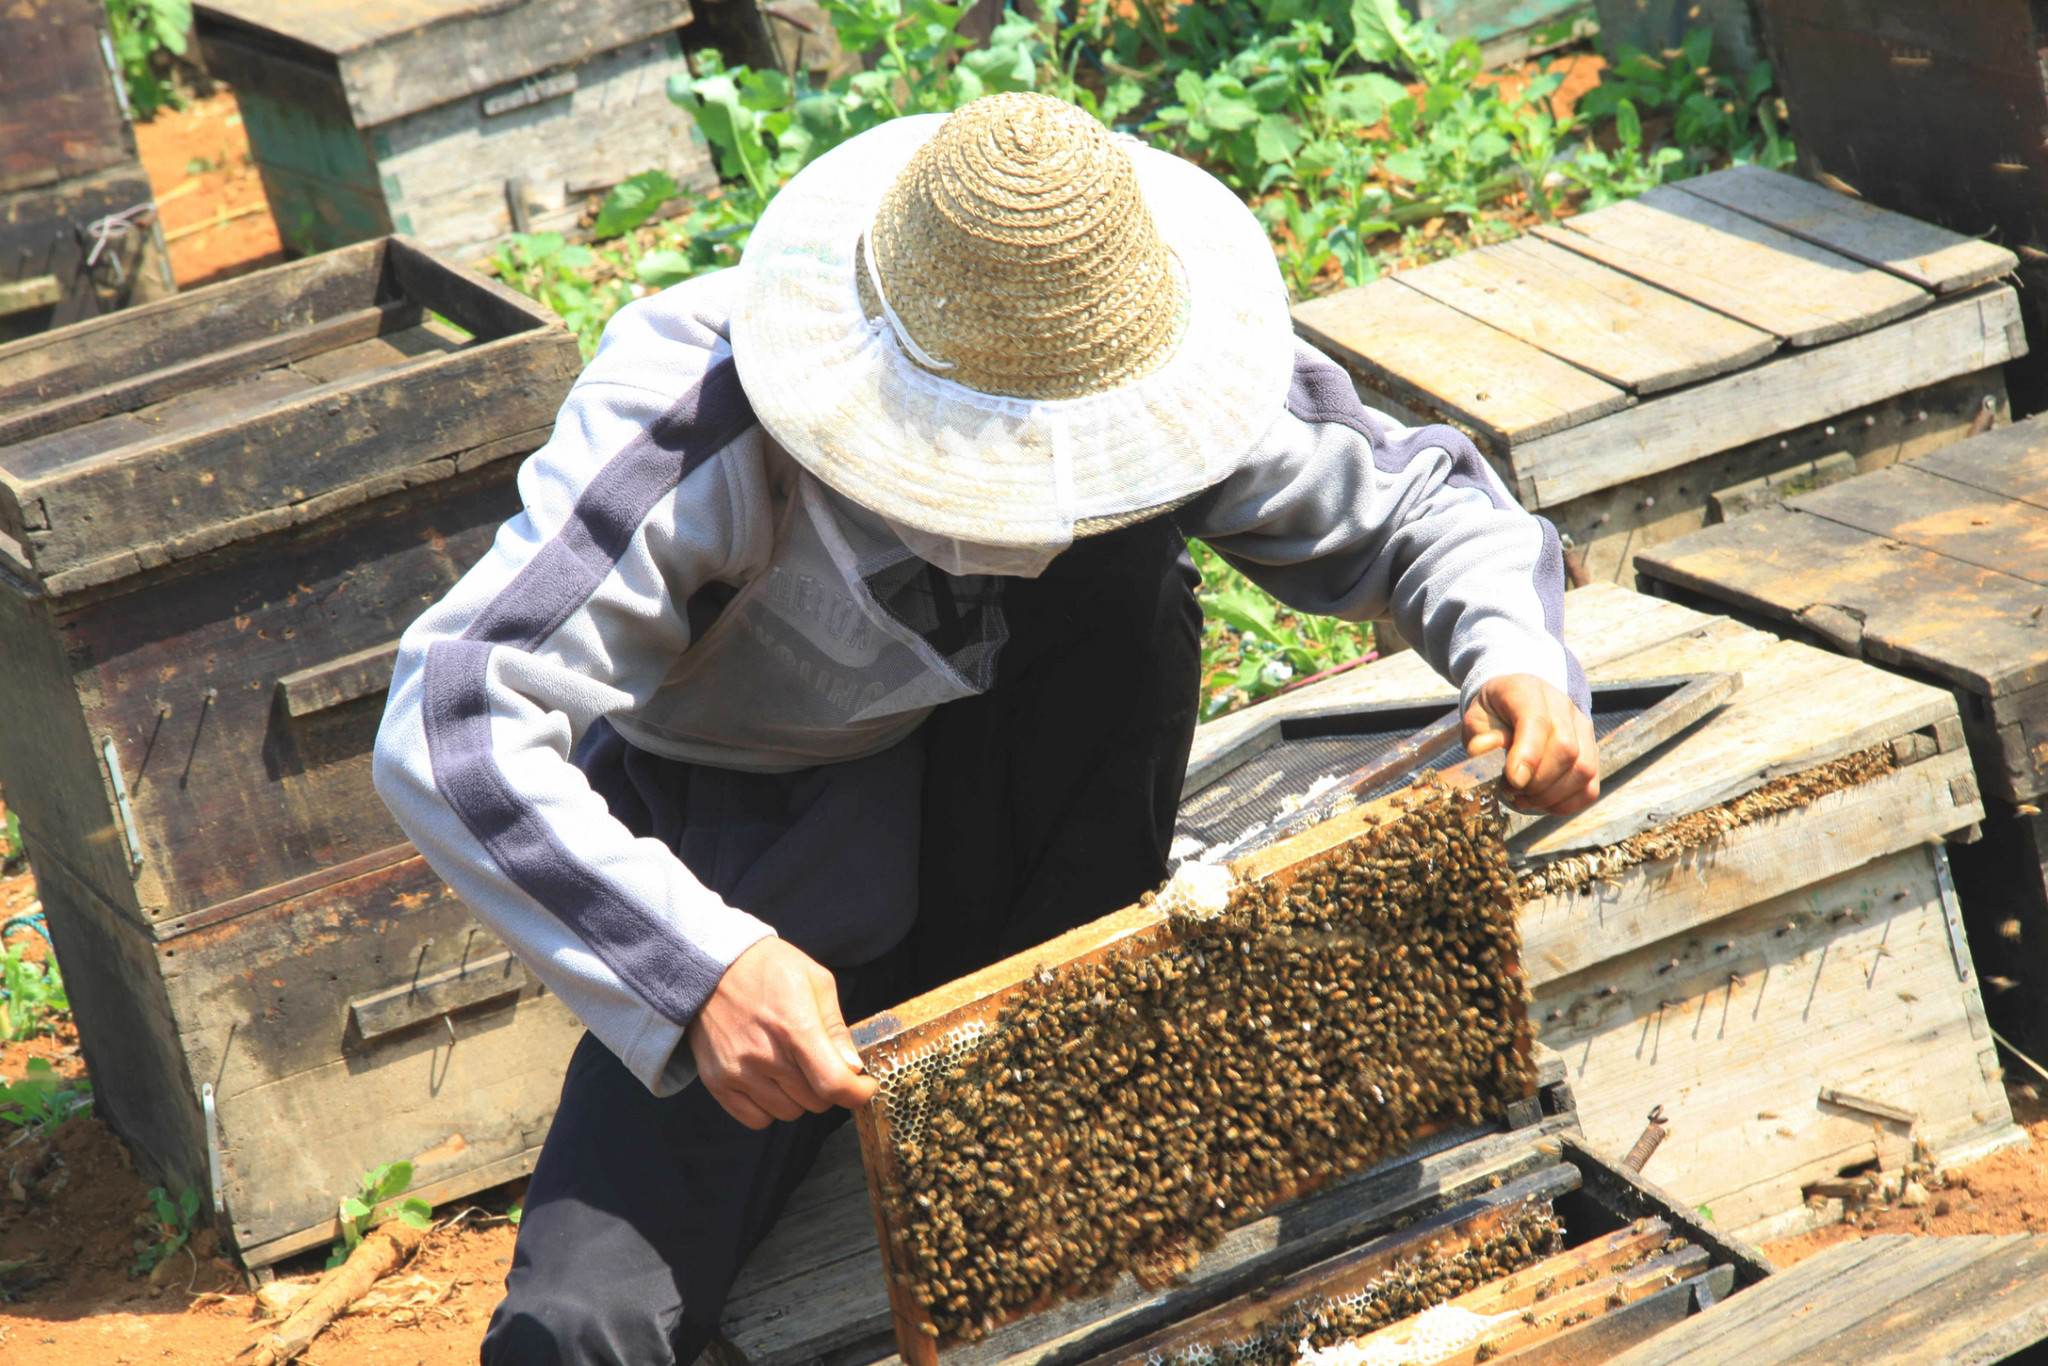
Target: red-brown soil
[(215, 217), (2005, 1193)]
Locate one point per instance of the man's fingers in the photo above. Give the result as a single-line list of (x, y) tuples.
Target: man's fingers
[(830, 1062), (1533, 736), (742, 1109), (1484, 732)]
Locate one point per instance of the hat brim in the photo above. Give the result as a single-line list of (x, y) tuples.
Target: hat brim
[(840, 394)]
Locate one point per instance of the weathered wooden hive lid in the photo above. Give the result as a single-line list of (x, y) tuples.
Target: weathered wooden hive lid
[(163, 433), (397, 58)]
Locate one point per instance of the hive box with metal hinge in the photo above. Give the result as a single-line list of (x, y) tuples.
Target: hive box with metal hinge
[(455, 121), (217, 514)]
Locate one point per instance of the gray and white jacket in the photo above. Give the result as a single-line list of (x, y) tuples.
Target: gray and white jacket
[(656, 561)]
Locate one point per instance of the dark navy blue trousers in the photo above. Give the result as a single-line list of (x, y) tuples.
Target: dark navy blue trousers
[(1008, 818)]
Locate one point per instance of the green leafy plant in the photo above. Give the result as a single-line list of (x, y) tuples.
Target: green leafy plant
[(1623, 173), (41, 1101), (173, 1228), (1252, 646), (140, 30), (32, 995), (632, 203), (13, 852), (363, 1211), (1712, 116)]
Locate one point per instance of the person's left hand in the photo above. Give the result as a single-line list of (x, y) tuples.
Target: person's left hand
[(1553, 761)]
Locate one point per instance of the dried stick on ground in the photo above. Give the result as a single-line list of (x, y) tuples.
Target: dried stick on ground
[(383, 1250)]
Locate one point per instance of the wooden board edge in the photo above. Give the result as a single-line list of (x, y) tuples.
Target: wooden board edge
[(1996, 318)]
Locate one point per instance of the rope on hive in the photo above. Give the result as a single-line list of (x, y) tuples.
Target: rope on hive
[(1577, 872)]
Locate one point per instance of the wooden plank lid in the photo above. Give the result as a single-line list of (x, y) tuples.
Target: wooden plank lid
[(164, 432)]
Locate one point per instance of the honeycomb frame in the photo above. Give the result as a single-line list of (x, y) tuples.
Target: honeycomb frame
[(948, 1025)]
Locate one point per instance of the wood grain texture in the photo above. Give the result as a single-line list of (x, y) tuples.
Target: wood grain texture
[(2009, 461), (61, 117), (1447, 1233), (1784, 564), (1451, 365), (1965, 334), (1799, 706), (1886, 1299), (114, 494), (1916, 507), (443, 172), (1849, 982), (262, 1002), (1608, 324), (1564, 932), (1783, 1294), (397, 59), (1799, 292), (188, 328), (1930, 257)]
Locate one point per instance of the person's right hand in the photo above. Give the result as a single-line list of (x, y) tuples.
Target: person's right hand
[(770, 1044)]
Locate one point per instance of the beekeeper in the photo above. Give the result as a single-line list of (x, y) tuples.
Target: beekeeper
[(848, 642)]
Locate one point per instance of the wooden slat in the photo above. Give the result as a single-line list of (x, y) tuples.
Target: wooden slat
[(1564, 932), (1841, 1305), (1721, 1327), (1799, 706), (188, 327), (1602, 321), (1976, 627), (1619, 1329), (1748, 270), (1441, 361), (1955, 337), (156, 386), (1941, 516), (1933, 258), (2011, 461), (1446, 1233), (1999, 1300), (1546, 1318)]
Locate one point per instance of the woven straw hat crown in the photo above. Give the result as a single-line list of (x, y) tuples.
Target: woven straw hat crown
[(1017, 252)]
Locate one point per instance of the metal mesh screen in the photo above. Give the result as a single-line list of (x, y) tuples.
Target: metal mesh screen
[(1260, 801)]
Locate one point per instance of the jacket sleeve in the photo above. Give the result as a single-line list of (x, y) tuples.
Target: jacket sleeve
[(1342, 513), (651, 485)]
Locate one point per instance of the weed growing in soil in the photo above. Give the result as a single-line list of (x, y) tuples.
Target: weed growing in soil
[(359, 1213), (41, 1101), (1252, 646), (173, 1228), (13, 852), (32, 995)]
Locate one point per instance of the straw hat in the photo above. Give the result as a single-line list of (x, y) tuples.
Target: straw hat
[(1007, 326)]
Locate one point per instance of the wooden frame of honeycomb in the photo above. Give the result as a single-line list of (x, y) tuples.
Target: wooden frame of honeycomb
[(977, 1233)]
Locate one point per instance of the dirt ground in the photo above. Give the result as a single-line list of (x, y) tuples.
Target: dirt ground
[(216, 221)]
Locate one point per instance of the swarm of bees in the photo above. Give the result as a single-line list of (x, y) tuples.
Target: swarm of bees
[(1121, 1115)]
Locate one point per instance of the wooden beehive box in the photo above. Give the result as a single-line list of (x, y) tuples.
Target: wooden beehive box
[(1804, 938), (68, 162), (1937, 569), (457, 122), (217, 513), (1620, 367)]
